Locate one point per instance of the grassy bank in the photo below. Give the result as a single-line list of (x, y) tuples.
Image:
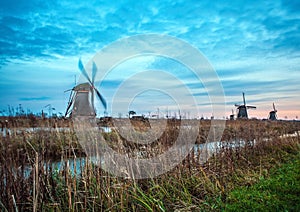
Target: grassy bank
[(280, 191), (226, 181)]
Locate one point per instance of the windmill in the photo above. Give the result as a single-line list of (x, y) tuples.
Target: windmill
[(242, 109), (272, 114), (232, 115), (82, 96)]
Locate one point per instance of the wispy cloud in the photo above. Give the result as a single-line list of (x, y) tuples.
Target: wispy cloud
[(42, 98)]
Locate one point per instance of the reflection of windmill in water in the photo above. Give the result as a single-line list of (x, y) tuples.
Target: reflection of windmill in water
[(272, 114), (81, 102), (242, 109)]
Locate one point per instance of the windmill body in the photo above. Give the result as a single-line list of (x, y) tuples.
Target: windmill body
[(242, 112), (82, 105), (272, 116), (242, 109), (81, 102)]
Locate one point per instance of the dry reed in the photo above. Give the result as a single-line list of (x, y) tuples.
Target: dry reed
[(30, 181)]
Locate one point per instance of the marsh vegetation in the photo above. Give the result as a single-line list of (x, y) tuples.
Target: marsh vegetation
[(262, 170)]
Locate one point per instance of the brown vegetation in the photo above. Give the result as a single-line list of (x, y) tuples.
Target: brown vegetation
[(30, 182)]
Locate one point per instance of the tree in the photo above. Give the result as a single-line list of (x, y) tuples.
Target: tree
[(131, 113)]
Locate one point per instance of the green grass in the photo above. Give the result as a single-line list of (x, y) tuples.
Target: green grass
[(278, 192)]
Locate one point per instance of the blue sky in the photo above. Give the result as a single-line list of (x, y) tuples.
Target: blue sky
[(253, 46)]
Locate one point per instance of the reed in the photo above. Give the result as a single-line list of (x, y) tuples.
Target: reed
[(30, 181)]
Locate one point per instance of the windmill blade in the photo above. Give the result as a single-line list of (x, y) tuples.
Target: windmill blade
[(251, 107), (237, 105), (83, 71), (244, 99), (68, 90), (101, 98), (93, 96), (274, 107), (94, 71), (69, 104), (68, 108)]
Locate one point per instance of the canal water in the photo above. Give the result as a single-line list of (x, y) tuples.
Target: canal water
[(74, 165)]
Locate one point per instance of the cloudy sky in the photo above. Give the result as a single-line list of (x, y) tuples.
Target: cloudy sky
[(254, 47)]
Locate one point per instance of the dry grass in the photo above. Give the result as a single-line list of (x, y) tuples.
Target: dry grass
[(30, 182)]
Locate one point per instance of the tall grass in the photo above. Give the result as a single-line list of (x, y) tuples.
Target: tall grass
[(29, 181)]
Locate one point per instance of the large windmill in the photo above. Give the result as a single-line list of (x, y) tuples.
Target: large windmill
[(242, 109), (272, 114), (81, 101)]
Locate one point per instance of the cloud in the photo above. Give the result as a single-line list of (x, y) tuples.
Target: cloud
[(233, 87), (19, 7), (42, 98), (44, 29), (291, 6)]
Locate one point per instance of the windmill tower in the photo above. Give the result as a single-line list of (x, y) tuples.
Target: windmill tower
[(81, 101), (242, 109), (272, 114)]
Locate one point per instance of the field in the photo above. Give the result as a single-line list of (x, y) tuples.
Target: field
[(260, 174)]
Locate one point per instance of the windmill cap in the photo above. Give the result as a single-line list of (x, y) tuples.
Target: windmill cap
[(82, 87)]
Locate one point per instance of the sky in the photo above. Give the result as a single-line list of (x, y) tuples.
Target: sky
[(253, 46)]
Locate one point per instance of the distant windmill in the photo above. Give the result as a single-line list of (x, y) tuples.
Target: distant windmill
[(82, 96), (272, 114), (231, 117), (242, 109)]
